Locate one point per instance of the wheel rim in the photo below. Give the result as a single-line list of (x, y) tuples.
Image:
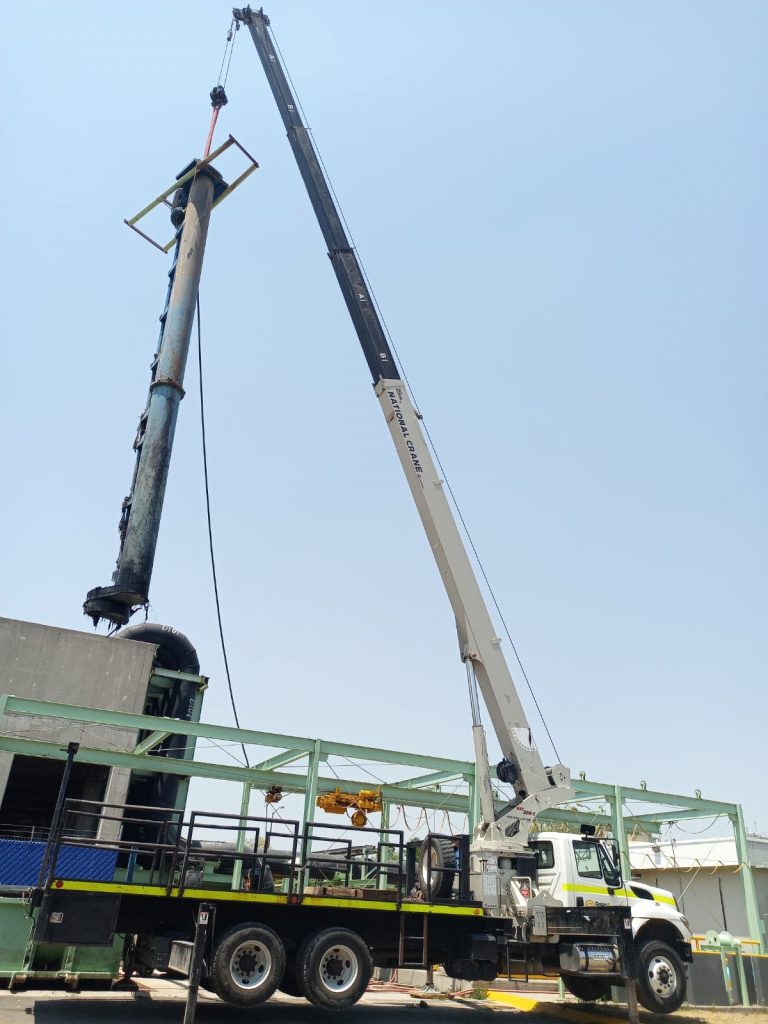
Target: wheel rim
[(428, 865), (662, 977), (251, 965), (339, 968)]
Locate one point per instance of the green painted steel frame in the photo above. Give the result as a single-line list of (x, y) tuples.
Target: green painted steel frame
[(422, 791)]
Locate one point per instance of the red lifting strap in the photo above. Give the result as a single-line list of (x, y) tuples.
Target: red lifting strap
[(218, 99)]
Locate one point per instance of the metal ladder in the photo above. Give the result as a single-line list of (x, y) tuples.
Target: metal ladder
[(413, 942)]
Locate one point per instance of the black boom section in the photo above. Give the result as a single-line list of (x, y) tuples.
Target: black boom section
[(357, 296)]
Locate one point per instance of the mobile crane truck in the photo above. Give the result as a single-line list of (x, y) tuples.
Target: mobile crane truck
[(572, 873), (548, 902)]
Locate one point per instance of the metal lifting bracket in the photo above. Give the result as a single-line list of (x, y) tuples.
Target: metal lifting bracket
[(196, 167)]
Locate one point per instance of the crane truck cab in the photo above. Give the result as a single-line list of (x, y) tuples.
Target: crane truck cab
[(581, 871)]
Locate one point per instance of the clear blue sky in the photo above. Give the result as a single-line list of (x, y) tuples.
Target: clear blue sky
[(562, 207)]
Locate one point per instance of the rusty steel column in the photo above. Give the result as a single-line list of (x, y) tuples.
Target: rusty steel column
[(142, 508)]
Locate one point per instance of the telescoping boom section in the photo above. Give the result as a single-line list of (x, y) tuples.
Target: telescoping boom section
[(536, 787)]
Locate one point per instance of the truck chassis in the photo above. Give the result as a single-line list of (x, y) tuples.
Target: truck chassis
[(287, 914)]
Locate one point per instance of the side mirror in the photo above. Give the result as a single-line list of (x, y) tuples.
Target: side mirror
[(611, 863)]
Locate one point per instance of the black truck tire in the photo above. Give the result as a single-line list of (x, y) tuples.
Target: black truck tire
[(290, 984), (334, 967), (661, 981), (588, 989), (248, 965), (436, 884)]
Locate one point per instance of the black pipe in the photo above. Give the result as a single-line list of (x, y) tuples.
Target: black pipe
[(174, 650), (176, 653)]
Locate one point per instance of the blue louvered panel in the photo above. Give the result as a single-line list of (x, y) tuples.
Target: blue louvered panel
[(20, 862)]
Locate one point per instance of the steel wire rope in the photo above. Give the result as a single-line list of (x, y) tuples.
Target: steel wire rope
[(421, 815), (231, 51), (684, 891), (361, 766), (212, 744), (416, 405), (210, 525), (234, 28), (699, 831)]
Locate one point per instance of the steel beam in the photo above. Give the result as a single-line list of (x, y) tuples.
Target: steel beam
[(678, 814), (755, 925), (152, 741), (583, 787), (144, 763), (360, 753), (280, 760), (563, 816), (125, 719), (310, 792), (245, 803), (432, 779), (618, 827)]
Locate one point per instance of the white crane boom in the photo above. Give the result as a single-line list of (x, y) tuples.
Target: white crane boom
[(536, 787)]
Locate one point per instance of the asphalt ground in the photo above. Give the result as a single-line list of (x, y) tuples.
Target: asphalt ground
[(163, 1003), (155, 1008)]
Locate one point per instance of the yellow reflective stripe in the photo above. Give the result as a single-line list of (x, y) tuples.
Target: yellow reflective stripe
[(327, 901), (602, 890), (114, 887), (410, 908), (224, 894), (122, 888), (665, 899), (431, 908)]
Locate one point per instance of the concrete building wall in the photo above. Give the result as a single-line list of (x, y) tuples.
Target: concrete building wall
[(47, 663)]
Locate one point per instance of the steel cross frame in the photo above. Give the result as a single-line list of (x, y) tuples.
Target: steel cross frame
[(183, 179)]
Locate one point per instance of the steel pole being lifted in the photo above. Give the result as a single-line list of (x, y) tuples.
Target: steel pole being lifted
[(140, 520)]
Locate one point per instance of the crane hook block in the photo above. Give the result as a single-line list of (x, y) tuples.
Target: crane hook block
[(218, 97)]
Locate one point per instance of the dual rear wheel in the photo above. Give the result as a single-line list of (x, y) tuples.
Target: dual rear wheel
[(248, 965), (331, 968)]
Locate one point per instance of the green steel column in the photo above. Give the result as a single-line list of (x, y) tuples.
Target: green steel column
[(619, 832), (756, 927), (313, 770), (245, 804), (310, 797), (387, 851)]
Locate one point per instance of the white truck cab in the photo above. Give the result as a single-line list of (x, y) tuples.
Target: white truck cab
[(580, 872)]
